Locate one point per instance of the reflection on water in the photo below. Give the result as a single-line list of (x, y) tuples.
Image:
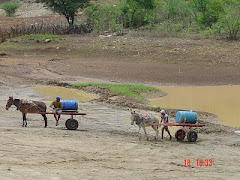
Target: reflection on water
[(65, 93), (224, 101)]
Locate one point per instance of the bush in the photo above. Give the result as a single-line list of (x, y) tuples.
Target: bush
[(176, 17), (10, 8), (104, 18), (178, 12), (207, 12), (229, 22), (137, 13), (127, 14)]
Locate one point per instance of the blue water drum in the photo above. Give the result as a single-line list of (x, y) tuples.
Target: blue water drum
[(186, 117), (70, 105)]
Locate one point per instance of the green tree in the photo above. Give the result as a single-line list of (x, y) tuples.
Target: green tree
[(10, 8), (68, 8)]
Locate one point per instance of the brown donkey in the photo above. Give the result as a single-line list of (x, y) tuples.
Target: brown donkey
[(28, 107)]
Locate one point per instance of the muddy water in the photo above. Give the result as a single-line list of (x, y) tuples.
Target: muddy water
[(224, 101), (66, 93)]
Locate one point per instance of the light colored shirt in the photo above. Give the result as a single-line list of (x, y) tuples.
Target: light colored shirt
[(164, 118)]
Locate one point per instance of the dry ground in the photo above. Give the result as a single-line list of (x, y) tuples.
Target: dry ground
[(138, 59), (104, 147)]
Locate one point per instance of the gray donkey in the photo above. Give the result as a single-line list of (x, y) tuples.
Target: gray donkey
[(28, 107), (144, 121)]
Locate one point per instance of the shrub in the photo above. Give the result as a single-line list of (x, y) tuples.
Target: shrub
[(178, 12), (104, 18), (137, 13), (10, 8), (229, 22), (204, 17), (207, 12)]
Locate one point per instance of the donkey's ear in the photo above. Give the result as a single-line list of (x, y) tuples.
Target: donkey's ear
[(10, 97)]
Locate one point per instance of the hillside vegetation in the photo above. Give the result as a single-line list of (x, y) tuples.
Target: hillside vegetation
[(208, 18), (172, 18)]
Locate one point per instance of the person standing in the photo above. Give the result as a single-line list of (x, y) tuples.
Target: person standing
[(164, 120)]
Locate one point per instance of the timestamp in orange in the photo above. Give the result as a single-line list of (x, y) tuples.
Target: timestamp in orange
[(199, 163)]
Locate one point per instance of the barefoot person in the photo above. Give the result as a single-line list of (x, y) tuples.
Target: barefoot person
[(57, 107), (164, 119)]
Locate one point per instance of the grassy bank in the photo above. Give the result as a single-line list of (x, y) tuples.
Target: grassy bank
[(31, 42), (40, 37), (133, 91)]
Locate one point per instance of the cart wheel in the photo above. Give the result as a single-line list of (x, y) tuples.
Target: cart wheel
[(192, 136), (180, 135), (71, 124)]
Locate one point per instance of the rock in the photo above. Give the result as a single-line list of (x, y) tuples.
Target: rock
[(105, 36), (54, 59), (13, 40), (237, 132), (48, 40)]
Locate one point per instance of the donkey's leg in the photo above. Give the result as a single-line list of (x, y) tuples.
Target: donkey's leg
[(24, 120), (144, 129), (45, 119), (156, 130), (139, 135)]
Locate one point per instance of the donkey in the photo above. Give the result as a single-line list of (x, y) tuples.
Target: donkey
[(144, 121), (28, 107)]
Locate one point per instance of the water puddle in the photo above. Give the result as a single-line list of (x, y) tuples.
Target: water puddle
[(66, 93), (224, 101)]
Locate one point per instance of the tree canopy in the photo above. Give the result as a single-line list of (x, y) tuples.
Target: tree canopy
[(68, 8)]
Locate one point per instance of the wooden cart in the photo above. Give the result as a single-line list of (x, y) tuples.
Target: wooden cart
[(71, 123), (187, 129)]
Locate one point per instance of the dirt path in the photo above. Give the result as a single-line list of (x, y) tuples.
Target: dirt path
[(104, 147)]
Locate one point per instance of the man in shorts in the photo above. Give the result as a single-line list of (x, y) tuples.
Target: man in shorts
[(57, 107)]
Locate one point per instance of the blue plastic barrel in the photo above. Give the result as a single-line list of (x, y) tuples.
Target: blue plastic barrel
[(186, 117), (70, 105)]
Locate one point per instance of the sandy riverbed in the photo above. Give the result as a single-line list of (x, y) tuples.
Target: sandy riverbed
[(105, 146)]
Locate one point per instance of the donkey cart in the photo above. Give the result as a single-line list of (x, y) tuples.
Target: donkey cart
[(187, 129), (71, 123)]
